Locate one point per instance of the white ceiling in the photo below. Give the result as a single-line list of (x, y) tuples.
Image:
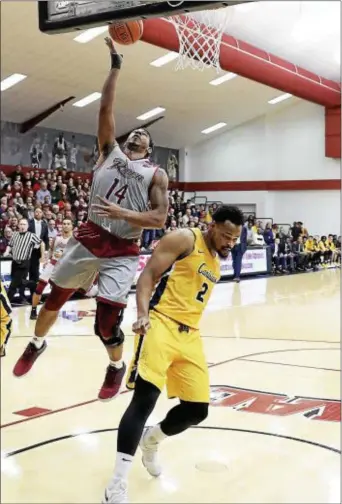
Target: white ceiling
[(307, 33)]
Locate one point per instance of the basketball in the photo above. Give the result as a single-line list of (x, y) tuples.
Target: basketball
[(126, 33)]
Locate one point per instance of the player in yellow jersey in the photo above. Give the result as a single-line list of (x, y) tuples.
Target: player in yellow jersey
[(168, 347), (5, 320)]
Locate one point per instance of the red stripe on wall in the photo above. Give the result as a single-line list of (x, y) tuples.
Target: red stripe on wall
[(253, 185), (262, 185)]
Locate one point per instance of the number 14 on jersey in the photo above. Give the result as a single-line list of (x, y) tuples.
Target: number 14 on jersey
[(120, 192)]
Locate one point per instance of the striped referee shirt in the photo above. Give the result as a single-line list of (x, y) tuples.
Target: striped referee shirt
[(22, 245)]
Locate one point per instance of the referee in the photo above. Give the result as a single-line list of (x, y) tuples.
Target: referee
[(21, 246)]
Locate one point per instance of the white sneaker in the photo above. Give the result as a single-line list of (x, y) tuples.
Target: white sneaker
[(149, 450), (116, 492)]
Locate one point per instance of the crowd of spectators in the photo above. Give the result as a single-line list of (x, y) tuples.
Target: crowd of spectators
[(60, 194), (294, 249)]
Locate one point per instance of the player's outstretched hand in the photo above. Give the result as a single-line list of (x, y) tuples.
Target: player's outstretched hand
[(110, 44), (107, 209), (141, 326)]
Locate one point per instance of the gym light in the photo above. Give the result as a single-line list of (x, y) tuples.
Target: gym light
[(151, 113), (90, 34), (87, 99), (12, 80), (164, 59), (280, 98), (214, 128), (224, 78)]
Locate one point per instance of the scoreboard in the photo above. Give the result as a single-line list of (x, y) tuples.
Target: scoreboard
[(65, 16)]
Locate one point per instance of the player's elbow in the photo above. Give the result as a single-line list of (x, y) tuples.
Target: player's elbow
[(159, 220)]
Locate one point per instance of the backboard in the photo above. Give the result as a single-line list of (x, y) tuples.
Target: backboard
[(66, 16)]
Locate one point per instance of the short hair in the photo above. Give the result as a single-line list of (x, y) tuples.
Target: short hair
[(23, 219), (150, 139), (228, 213)]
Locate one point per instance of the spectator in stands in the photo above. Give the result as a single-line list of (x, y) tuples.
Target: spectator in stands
[(303, 230), (17, 173), (258, 237), (14, 223), (43, 193), (324, 249), (173, 226), (187, 216), (300, 255), (269, 236), (4, 180), (286, 250), (3, 206), (331, 246), (148, 237), (21, 247), (55, 193), (238, 252), (38, 227), (29, 209), (5, 239), (313, 253), (250, 233), (278, 258), (296, 231), (52, 231)]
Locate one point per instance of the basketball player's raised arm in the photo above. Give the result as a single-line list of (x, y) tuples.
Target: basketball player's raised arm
[(171, 247), (106, 122), (152, 219)]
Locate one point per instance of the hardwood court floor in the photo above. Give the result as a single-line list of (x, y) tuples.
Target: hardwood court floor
[(273, 432)]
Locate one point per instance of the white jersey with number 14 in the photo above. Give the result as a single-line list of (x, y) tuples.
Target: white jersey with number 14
[(125, 183)]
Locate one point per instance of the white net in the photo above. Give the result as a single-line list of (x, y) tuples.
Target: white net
[(200, 35)]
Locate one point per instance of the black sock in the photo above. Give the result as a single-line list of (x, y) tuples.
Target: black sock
[(133, 421)]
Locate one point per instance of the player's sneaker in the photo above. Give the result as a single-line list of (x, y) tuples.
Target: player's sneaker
[(28, 358), (33, 315), (149, 448), (116, 492), (112, 383)]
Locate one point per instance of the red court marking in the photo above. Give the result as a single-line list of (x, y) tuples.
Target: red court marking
[(31, 412), (51, 412), (66, 408)]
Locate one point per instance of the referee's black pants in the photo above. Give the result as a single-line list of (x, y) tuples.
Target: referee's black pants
[(19, 274)]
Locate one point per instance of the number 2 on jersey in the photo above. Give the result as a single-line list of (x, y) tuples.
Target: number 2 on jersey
[(202, 293), (120, 193)]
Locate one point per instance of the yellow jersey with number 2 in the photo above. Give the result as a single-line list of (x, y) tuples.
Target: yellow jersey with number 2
[(184, 291)]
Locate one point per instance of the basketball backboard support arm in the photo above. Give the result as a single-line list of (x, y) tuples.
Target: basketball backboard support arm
[(59, 17)]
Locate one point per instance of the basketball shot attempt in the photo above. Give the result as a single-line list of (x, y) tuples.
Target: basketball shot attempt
[(168, 346), (125, 182)]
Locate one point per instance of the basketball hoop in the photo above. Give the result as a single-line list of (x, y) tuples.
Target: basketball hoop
[(200, 35)]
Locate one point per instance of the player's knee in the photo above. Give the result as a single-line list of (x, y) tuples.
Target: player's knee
[(196, 412), (57, 297), (40, 288), (107, 324), (145, 396)]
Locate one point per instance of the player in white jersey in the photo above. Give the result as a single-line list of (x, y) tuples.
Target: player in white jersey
[(56, 252), (124, 184)]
